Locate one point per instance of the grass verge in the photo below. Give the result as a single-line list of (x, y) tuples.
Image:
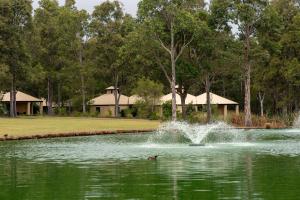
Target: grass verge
[(29, 126)]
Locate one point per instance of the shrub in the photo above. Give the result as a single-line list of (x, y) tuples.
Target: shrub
[(61, 111), (167, 110), (109, 113), (142, 109), (197, 117), (94, 114), (86, 114), (76, 114), (126, 113), (154, 116), (3, 110), (258, 121), (190, 109)]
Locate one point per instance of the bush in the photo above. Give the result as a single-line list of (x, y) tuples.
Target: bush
[(142, 109), (190, 109), (258, 121), (85, 114), (76, 114), (167, 110), (3, 110), (197, 117), (61, 111), (94, 114), (126, 113), (154, 116)]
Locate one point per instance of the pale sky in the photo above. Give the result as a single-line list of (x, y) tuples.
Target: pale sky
[(130, 6)]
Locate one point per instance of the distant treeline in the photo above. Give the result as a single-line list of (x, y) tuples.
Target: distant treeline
[(246, 50)]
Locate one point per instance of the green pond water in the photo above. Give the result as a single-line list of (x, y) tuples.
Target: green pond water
[(256, 164)]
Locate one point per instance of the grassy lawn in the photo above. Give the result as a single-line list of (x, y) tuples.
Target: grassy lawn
[(28, 126)]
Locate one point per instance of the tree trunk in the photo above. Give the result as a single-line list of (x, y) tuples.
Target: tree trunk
[(83, 92), (15, 98), (173, 87), (183, 94), (13, 103), (208, 100), (183, 98), (59, 101), (261, 98), (173, 79), (247, 80), (12, 112), (50, 97), (117, 96)]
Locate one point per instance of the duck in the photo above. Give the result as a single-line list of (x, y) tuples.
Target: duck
[(152, 158)]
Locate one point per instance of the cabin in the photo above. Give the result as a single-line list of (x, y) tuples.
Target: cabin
[(200, 101), (25, 103), (221, 102), (190, 100), (105, 103)]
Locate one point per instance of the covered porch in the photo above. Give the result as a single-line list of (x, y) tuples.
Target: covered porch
[(25, 104), (222, 103)]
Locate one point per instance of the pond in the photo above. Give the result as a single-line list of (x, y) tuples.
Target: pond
[(254, 164)]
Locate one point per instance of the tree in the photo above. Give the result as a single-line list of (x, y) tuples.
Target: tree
[(247, 13), (150, 91), (46, 23), (74, 27), (210, 51), (15, 22), (170, 24), (244, 14), (4, 73), (266, 52), (275, 76), (109, 28)]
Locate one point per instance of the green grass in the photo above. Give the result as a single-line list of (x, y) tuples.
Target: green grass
[(28, 126)]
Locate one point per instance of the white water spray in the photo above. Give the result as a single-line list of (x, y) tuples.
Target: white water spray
[(195, 133)]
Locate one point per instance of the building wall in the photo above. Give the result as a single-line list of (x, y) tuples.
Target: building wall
[(106, 111), (22, 108), (221, 109)]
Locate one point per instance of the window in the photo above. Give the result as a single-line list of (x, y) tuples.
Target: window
[(98, 109)]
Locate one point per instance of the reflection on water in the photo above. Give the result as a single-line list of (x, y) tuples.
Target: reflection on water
[(267, 166)]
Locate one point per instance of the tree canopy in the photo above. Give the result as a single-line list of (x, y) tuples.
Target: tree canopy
[(246, 50)]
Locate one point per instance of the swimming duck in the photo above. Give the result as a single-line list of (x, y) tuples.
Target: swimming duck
[(152, 158)]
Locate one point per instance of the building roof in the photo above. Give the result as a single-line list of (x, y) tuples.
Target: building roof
[(190, 99), (20, 97), (111, 88), (215, 99), (108, 99)]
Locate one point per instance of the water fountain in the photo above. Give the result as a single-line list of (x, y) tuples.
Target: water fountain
[(195, 134)]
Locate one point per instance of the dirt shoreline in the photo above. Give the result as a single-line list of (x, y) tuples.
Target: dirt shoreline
[(74, 134)]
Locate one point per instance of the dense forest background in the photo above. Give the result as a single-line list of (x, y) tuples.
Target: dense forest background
[(248, 51)]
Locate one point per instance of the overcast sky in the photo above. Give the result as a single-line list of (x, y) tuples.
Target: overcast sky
[(130, 6)]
